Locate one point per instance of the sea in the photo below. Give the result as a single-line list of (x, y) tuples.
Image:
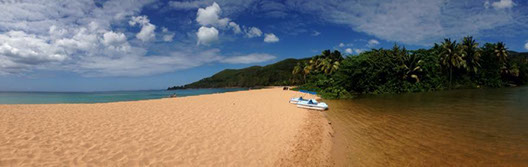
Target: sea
[(100, 97)]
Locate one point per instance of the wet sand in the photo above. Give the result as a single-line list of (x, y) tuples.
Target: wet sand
[(246, 128)]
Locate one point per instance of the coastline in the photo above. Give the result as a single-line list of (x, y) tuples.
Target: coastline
[(253, 127)]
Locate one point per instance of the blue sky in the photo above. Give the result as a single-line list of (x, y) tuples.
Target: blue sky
[(84, 45)]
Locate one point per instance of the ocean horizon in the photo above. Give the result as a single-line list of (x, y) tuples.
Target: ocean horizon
[(57, 97)]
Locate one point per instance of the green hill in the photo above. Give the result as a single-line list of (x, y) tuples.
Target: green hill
[(278, 73)]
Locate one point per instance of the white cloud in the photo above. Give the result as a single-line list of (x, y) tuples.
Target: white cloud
[(372, 43), (358, 51), (502, 4), (136, 65), (341, 45), (415, 23), (235, 27), (147, 29), (113, 39), (211, 16), (167, 35), (248, 59), (19, 47), (526, 46), (271, 38), (92, 40), (349, 51), (315, 33), (206, 35), (187, 5), (253, 32)]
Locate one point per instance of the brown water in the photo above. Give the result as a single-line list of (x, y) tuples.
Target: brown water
[(482, 127)]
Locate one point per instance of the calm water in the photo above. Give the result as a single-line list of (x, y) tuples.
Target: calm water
[(487, 127), (98, 97)]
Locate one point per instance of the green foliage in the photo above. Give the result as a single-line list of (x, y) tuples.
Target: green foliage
[(279, 73), (382, 71), (398, 70)]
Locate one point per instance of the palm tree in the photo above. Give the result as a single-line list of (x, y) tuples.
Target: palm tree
[(471, 53), (451, 57), (335, 66), (411, 66), (297, 69), (324, 65), (307, 70), (502, 53)]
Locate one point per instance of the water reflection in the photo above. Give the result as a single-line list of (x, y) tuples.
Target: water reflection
[(452, 128)]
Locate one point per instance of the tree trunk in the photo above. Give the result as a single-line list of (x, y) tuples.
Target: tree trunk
[(450, 76)]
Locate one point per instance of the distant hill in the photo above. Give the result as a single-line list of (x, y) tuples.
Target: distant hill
[(278, 73), (517, 55)]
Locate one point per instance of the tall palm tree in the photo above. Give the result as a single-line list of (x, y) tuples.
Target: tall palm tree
[(471, 53), (325, 65), (297, 69), (502, 53), (307, 70), (451, 57)]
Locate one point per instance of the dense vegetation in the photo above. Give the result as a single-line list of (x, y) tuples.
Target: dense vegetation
[(445, 66), (270, 75)]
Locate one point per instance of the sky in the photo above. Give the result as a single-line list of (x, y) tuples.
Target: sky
[(103, 45)]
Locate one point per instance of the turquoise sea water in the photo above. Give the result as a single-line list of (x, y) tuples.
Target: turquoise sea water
[(99, 97)]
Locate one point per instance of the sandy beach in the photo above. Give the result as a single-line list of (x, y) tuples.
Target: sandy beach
[(245, 128)]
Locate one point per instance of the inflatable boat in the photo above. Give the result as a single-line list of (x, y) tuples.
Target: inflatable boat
[(297, 100), (312, 104)]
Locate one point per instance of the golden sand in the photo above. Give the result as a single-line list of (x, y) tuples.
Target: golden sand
[(246, 128)]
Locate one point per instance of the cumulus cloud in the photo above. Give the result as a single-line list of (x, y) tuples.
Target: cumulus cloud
[(210, 16), (341, 45), (248, 59), (349, 50), (147, 29), (502, 4), (372, 43), (526, 46), (113, 39), (206, 35), (271, 38), (167, 35), (92, 40), (253, 32), (38, 43), (235, 27)]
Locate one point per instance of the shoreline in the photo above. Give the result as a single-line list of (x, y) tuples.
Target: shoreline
[(252, 127)]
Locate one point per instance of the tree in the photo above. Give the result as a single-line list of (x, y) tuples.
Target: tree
[(297, 70), (451, 57), (327, 62), (502, 54), (410, 66), (307, 70), (471, 53)]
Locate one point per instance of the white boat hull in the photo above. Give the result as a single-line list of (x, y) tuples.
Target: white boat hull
[(312, 107)]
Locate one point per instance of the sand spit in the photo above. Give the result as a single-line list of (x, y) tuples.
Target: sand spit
[(246, 128)]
